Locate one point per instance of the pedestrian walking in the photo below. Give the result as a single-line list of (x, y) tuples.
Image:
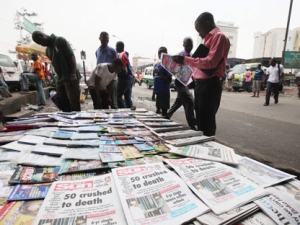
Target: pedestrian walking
[(275, 74), (184, 96)]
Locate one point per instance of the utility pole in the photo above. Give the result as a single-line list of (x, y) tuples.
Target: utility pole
[(287, 31)]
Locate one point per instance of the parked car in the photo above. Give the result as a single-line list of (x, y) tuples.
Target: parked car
[(148, 78), (239, 73), (9, 72)]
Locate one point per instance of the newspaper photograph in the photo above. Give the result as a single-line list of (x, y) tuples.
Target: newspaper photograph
[(152, 194), (218, 185), (90, 201), (280, 207), (209, 151), (260, 173)]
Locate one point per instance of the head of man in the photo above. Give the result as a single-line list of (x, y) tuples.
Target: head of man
[(34, 56), (162, 50), (272, 62), (41, 38), (117, 65), (204, 24), (188, 44), (258, 65), (120, 46), (104, 39)]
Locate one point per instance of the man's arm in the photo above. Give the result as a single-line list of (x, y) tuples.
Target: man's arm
[(97, 89)]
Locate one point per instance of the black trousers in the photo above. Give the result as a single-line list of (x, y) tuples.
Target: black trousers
[(207, 101), (185, 98)]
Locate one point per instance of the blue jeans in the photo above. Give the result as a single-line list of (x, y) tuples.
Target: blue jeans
[(3, 84), (124, 89), (38, 83)]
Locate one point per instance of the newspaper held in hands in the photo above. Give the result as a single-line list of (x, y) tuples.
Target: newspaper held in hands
[(218, 185), (182, 73), (152, 194), (92, 201)]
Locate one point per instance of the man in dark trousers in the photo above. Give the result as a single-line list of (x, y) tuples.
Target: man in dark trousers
[(125, 78), (184, 96), (63, 60), (208, 89)]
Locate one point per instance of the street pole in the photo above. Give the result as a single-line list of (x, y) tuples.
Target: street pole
[(83, 57), (287, 31)]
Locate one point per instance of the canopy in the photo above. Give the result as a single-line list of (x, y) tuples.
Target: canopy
[(29, 48), (25, 50)]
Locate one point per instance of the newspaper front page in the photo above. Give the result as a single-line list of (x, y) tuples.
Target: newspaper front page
[(152, 194), (218, 185), (209, 150), (91, 201), (280, 207), (260, 173)]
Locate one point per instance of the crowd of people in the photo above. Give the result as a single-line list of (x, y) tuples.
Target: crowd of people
[(111, 81)]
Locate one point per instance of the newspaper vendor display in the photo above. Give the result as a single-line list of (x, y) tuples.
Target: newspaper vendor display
[(152, 194)]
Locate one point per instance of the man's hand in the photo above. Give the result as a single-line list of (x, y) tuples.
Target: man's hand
[(153, 97), (178, 59)]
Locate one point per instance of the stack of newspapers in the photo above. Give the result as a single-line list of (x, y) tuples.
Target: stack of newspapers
[(104, 167)]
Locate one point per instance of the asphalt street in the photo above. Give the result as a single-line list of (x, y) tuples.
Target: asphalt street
[(269, 134)]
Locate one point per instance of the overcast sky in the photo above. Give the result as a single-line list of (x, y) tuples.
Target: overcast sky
[(144, 25)]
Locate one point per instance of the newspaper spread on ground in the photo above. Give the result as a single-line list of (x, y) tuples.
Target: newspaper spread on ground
[(209, 150), (229, 217), (152, 194), (260, 173), (189, 140), (280, 207), (90, 201), (218, 185)]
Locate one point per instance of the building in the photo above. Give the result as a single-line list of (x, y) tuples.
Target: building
[(271, 43), (231, 32)]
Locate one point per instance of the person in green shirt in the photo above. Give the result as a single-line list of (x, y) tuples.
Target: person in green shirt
[(63, 60)]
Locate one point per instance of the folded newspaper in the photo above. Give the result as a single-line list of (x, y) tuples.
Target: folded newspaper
[(218, 185), (152, 194), (90, 201)]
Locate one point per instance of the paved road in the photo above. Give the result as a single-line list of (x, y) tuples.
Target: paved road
[(269, 134)]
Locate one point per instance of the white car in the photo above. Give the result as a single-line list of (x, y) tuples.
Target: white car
[(9, 72)]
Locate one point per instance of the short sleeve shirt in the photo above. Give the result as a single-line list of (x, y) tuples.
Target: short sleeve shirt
[(273, 73), (38, 65), (106, 76)]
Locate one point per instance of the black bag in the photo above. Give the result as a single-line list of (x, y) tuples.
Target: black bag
[(280, 87), (192, 84)]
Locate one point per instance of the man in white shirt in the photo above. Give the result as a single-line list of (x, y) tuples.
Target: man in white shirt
[(101, 82), (275, 77)]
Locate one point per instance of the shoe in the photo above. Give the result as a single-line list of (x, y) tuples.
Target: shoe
[(276, 101), (252, 95), (266, 104), (158, 111), (41, 104), (193, 128)]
